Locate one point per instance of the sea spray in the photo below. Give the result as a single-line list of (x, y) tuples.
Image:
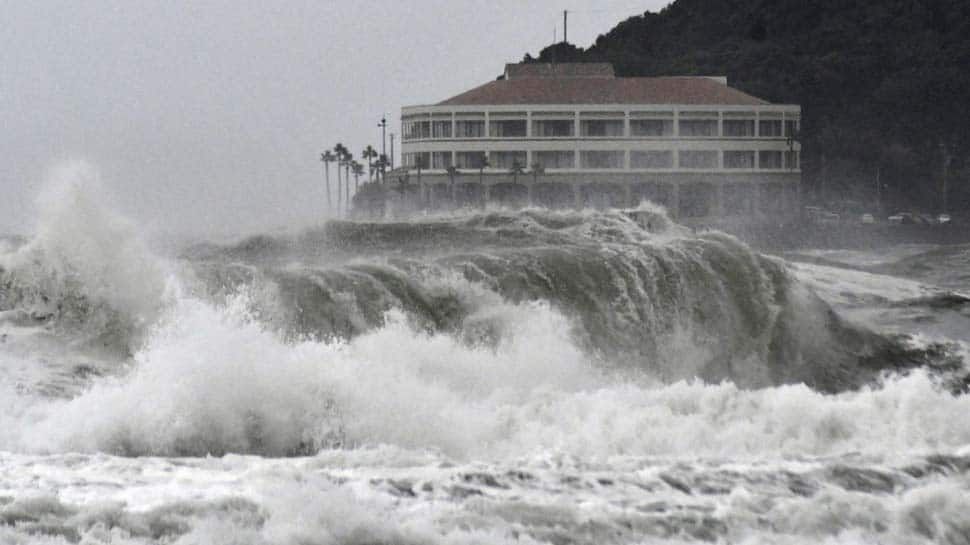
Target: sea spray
[(86, 272)]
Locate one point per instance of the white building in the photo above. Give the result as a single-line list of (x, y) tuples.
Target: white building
[(695, 144)]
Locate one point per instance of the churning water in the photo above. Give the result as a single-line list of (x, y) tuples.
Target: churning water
[(500, 377)]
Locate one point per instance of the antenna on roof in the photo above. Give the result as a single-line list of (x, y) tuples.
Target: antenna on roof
[(565, 26)]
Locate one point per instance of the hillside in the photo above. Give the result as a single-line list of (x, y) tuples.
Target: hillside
[(884, 84)]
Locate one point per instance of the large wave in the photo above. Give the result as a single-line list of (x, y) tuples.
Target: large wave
[(499, 334), (641, 293)]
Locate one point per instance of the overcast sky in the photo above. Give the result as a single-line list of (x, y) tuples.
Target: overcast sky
[(209, 116)]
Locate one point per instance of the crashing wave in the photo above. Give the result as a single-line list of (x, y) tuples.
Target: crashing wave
[(85, 273)]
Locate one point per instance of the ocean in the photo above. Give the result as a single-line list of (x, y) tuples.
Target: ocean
[(531, 376)]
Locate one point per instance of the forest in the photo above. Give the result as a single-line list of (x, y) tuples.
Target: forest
[(884, 85)]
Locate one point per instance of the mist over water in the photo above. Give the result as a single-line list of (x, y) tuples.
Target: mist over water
[(502, 376)]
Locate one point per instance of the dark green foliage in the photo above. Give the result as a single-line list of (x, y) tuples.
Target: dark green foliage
[(882, 83)]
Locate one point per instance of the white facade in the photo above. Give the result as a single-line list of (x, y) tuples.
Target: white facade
[(581, 138)]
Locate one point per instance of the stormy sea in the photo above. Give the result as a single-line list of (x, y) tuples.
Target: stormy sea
[(496, 376)]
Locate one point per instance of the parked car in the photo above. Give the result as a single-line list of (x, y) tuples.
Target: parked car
[(868, 219), (901, 218)]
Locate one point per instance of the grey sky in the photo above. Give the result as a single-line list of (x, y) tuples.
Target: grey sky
[(209, 116)]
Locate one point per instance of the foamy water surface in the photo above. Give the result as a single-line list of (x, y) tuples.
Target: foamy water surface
[(472, 396)]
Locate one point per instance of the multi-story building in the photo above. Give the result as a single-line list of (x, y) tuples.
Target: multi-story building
[(575, 134)]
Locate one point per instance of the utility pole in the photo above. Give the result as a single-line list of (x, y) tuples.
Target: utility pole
[(383, 126), (565, 26), (392, 151)]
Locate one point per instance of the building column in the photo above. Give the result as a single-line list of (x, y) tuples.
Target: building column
[(577, 197), (675, 200), (719, 196)]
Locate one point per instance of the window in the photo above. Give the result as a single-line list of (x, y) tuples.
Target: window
[(507, 129), (698, 159), (739, 127), (555, 159), (601, 159), (470, 129), (441, 160), (503, 160), (469, 159), (698, 127), (414, 160), (791, 127), (770, 127), (421, 129), (739, 159), (792, 160), (441, 129), (414, 130), (601, 127), (769, 159), (651, 127), (553, 128), (652, 159)]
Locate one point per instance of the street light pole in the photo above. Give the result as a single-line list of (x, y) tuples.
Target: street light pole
[(392, 151), (383, 126)]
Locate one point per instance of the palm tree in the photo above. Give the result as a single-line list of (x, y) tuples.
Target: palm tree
[(537, 170), (402, 187), (382, 163), (482, 165), (328, 157), (453, 173), (369, 154), (339, 150), (358, 170), (348, 159), (515, 170)]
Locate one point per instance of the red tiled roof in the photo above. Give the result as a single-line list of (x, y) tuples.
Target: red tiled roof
[(604, 90)]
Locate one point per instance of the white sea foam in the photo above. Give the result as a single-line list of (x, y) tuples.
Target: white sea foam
[(213, 379)]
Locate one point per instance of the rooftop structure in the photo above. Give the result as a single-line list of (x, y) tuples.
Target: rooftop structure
[(595, 83)]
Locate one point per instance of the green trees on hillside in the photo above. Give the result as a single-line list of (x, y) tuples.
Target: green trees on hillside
[(883, 84)]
